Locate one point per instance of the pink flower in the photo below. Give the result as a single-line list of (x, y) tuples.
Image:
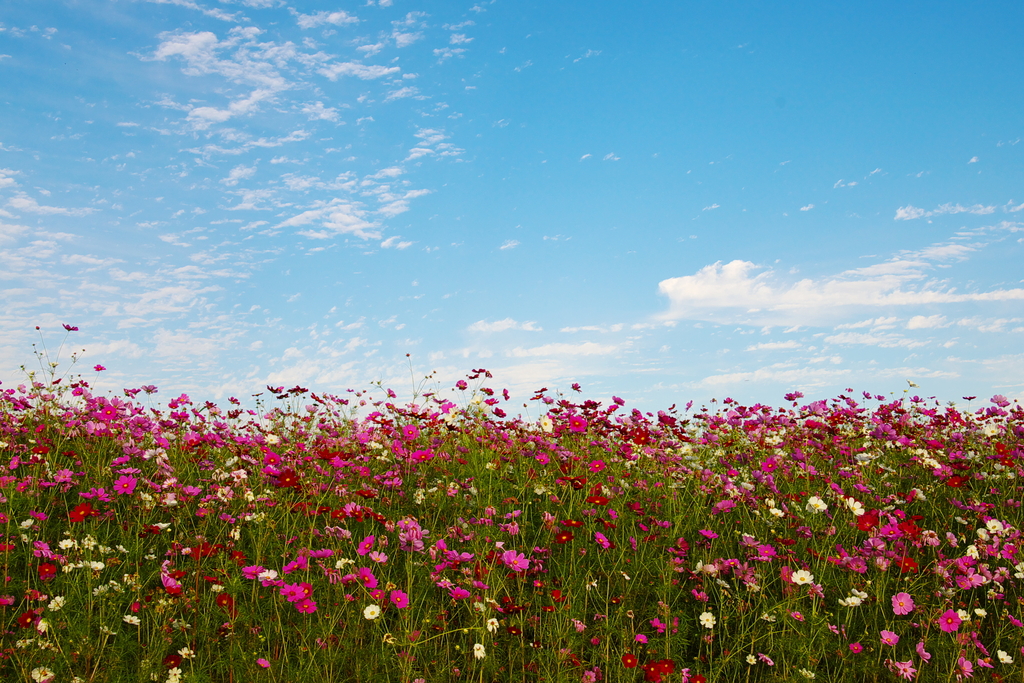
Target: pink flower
[(905, 669), (949, 621), (924, 654), (306, 606), (98, 368), (889, 638), (400, 599), (367, 577), (641, 638), (517, 562), (902, 603), (597, 465), (459, 593), (125, 485), (856, 648), (577, 424), (797, 616), (966, 668), (264, 663)]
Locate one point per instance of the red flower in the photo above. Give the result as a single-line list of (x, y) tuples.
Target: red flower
[(27, 619), (629, 661), (172, 661), (47, 571), (81, 511), (227, 602), (907, 565), (571, 522), (868, 521), (288, 479), (563, 537), (956, 481), (597, 500)]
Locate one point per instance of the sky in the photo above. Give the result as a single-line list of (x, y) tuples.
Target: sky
[(665, 201)]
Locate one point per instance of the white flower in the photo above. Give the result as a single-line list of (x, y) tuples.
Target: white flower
[(371, 612), (751, 659), (995, 526), (802, 577), (805, 672), (186, 653), (131, 619), (776, 512), (1004, 657), (492, 625), (273, 439), (852, 601), (817, 505), (707, 620), (856, 507), (43, 626), (546, 424), (57, 604), (980, 612), (479, 652), (41, 674)]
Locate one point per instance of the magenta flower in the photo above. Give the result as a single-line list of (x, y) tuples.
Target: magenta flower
[(517, 562), (367, 577), (856, 648), (902, 603), (577, 424), (125, 485), (459, 593), (924, 654), (889, 638), (400, 599), (641, 638), (366, 546), (306, 606), (949, 621), (264, 663), (597, 465)]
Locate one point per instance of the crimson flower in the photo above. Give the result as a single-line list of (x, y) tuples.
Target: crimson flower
[(563, 537), (630, 660), (47, 571), (81, 511)]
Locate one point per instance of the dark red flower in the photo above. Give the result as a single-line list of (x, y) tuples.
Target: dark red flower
[(956, 481), (288, 479), (597, 500), (629, 660), (563, 537), (172, 661), (27, 619), (47, 571)]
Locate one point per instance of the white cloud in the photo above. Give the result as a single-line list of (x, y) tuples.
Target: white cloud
[(907, 213), (922, 322), (712, 207), (807, 208), (736, 292), (238, 173), (562, 349), (407, 91), (973, 160), (781, 373), (5, 177), (23, 202), (509, 244), (317, 110), (395, 243), (361, 71), (885, 341), (775, 346), (339, 18), (336, 217), (503, 325)]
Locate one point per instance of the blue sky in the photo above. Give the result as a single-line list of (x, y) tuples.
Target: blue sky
[(665, 201)]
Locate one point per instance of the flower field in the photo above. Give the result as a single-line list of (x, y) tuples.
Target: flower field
[(346, 538)]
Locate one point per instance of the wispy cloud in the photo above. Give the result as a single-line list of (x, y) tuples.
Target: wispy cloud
[(909, 212)]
